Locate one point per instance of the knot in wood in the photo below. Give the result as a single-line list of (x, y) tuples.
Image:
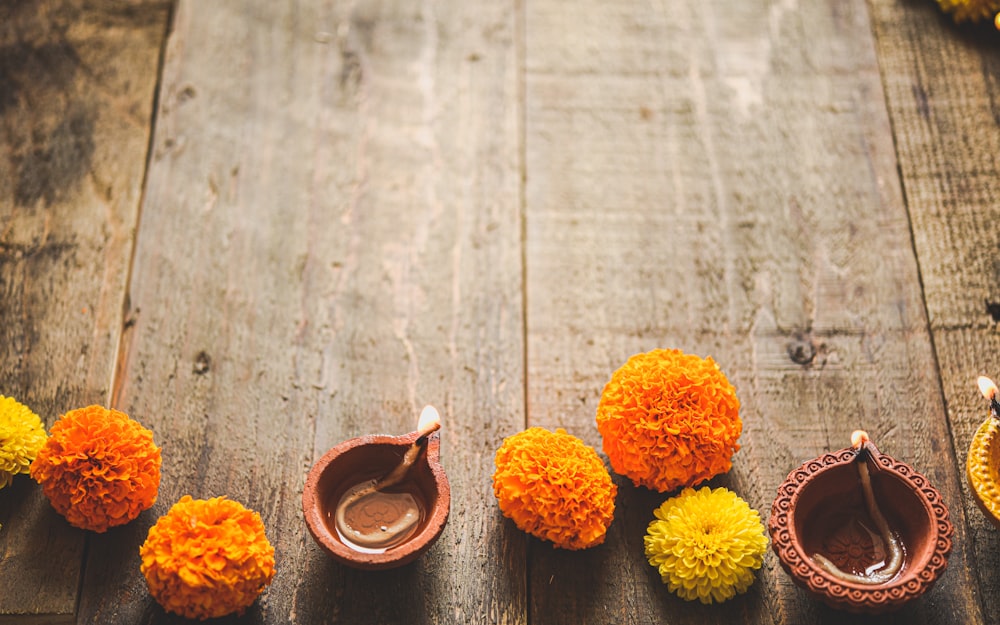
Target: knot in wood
[(801, 351)]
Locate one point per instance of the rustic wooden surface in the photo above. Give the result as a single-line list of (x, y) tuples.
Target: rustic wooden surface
[(77, 82), (340, 211)]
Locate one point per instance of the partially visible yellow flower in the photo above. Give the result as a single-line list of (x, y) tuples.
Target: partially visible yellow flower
[(21, 436), (207, 558), (554, 487), (706, 544), (972, 10)]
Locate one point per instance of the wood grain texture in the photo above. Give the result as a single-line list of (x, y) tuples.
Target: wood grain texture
[(943, 92), (722, 179), (77, 81), (330, 240)]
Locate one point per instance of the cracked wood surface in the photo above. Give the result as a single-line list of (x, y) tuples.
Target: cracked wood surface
[(351, 209)]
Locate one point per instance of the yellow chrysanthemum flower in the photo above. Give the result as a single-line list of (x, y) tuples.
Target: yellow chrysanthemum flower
[(21, 436), (972, 10), (706, 544)]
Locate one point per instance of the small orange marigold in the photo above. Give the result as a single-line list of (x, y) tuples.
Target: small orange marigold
[(554, 487), (207, 558), (99, 468), (669, 419)]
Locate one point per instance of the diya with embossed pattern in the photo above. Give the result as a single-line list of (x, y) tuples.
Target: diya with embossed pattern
[(860, 530)]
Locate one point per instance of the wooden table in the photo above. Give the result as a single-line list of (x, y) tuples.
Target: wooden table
[(261, 228)]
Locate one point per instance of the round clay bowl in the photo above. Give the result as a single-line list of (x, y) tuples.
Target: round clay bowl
[(366, 458), (982, 468), (818, 509)]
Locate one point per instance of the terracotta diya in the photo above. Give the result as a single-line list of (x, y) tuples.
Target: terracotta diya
[(379, 501), (860, 530), (981, 466)]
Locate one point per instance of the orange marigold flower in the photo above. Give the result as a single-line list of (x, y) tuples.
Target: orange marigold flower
[(669, 419), (554, 487), (207, 558), (99, 468)]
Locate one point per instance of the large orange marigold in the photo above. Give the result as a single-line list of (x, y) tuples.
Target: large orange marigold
[(669, 419), (207, 558), (99, 468), (554, 487)]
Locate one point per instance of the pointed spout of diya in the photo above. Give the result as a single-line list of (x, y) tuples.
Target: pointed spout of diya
[(429, 422), (862, 444)]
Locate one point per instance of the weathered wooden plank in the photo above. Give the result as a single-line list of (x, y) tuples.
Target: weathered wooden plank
[(330, 239), (722, 179), (942, 85), (77, 82)]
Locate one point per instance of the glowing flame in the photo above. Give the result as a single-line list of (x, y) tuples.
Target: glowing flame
[(430, 421), (859, 438), (987, 387)]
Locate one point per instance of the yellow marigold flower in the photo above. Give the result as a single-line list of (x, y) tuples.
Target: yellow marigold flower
[(554, 487), (99, 468), (706, 544), (207, 558), (21, 436), (669, 419), (972, 10)]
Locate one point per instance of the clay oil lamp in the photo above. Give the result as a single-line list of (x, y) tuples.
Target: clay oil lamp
[(984, 456), (379, 501), (859, 530)]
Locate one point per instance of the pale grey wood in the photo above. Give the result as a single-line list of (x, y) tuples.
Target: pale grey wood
[(943, 88), (330, 240), (77, 82), (722, 179)]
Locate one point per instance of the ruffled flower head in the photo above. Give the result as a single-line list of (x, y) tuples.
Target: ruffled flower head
[(972, 10), (99, 468), (706, 544), (669, 419), (21, 436), (207, 558), (554, 487)]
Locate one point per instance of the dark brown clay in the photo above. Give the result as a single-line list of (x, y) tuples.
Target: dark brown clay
[(820, 508), (367, 458)]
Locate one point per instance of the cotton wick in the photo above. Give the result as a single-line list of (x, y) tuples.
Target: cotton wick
[(989, 391), (860, 440), (429, 423)]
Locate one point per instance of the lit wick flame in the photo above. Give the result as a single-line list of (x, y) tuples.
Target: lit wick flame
[(859, 438), (894, 563), (990, 391), (429, 422)]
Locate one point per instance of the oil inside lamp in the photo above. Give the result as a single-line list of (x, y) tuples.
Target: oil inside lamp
[(378, 514), (887, 569)]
